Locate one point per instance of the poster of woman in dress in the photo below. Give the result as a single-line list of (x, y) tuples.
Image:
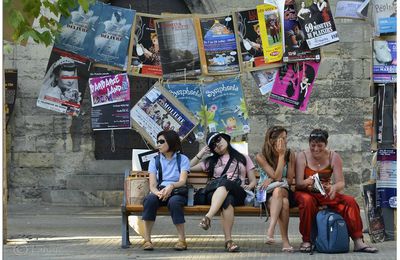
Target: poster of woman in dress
[(64, 82)]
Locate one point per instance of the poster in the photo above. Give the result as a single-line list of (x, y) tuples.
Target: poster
[(349, 9), (10, 83), (109, 89), (217, 42), (293, 84), (145, 60), (225, 107), (386, 183), (64, 83), (190, 95), (373, 213), (111, 116), (264, 79), (384, 57), (296, 47), (384, 13), (317, 22), (159, 110), (113, 33), (179, 51)]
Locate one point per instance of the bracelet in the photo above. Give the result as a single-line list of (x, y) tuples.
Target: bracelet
[(198, 157)]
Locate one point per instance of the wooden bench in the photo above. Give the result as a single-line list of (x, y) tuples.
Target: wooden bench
[(198, 180)]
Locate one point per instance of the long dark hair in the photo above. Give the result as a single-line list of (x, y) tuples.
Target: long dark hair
[(213, 159), (268, 149)]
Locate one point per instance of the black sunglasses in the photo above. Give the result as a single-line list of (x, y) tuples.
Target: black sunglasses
[(161, 141), (215, 142)]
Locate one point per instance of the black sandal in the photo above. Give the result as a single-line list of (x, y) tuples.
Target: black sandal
[(205, 223), (304, 248)]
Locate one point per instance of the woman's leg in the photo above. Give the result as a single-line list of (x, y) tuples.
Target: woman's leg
[(150, 206), (175, 206), (216, 201), (227, 219), (275, 206), (284, 222), (308, 209)]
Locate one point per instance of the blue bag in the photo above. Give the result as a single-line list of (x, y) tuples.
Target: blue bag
[(329, 234)]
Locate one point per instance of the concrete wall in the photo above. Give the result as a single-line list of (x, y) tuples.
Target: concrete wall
[(51, 156)]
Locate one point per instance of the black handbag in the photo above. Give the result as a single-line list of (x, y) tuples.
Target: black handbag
[(212, 185), (183, 191)]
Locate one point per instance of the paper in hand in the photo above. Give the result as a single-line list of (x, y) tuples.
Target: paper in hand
[(318, 185)]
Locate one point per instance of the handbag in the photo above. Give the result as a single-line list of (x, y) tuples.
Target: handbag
[(136, 188), (183, 191), (275, 184)]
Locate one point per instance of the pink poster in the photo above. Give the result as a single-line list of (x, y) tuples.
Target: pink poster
[(109, 89), (293, 84)]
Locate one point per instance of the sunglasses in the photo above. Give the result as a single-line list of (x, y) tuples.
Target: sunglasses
[(215, 142), (317, 135), (161, 141)]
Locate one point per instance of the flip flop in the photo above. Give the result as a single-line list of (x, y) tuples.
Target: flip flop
[(366, 249), (231, 246), (288, 249), (205, 223), (304, 248)]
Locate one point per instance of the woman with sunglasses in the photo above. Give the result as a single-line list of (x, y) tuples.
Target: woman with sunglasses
[(318, 159), (277, 164), (235, 168), (169, 146)]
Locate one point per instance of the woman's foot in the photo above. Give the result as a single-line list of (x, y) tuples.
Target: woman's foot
[(287, 247), (305, 247), (270, 241), (231, 246), (361, 247), (148, 246), (180, 246), (205, 223)]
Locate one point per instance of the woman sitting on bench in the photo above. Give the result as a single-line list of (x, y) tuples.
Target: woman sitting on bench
[(162, 191), (229, 168), (318, 159)]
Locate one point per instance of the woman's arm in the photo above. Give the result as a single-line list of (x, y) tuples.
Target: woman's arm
[(153, 184), (291, 168), (252, 180), (195, 162), (339, 184), (301, 183)]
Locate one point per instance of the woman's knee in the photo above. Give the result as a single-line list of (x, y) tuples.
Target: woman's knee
[(150, 200), (305, 200), (176, 201), (285, 204)]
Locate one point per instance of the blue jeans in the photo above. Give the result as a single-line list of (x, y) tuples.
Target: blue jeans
[(174, 203)]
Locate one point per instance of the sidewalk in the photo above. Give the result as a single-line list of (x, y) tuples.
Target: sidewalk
[(57, 232)]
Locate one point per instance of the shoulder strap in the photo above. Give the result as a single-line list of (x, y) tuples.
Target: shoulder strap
[(227, 166), (159, 169), (178, 162), (331, 154)]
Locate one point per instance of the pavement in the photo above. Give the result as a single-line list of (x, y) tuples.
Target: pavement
[(56, 232)]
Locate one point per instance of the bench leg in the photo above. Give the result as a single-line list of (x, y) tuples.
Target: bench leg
[(125, 243)]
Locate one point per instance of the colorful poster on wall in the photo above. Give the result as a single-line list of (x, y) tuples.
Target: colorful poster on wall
[(264, 79), (386, 183), (225, 107), (271, 32), (384, 13), (296, 47), (293, 84), (111, 116), (190, 95), (64, 83), (112, 37), (145, 59), (217, 44), (159, 110), (178, 48), (317, 22), (109, 89)]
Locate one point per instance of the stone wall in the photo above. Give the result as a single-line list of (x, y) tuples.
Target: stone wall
[(49, 159)]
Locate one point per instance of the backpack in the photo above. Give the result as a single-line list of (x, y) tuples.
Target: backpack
[(329, 233)]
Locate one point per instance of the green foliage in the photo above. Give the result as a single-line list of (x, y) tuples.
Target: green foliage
[(19, 16)]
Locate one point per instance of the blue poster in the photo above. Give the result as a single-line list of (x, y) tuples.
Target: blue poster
[(225, 107), (189, 94), (112, 35), (78, 30)]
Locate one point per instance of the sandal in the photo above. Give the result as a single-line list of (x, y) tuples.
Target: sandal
[(288, 249), (180, 246), (148, 246), (366, 249), (270, 241), (305, 248), (231, 246), (205, 223)]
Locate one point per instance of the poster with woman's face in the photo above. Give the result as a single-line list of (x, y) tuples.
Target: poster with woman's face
[(64, 82)]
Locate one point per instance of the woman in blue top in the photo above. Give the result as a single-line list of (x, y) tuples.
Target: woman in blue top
[(277, 163), (169, 146)]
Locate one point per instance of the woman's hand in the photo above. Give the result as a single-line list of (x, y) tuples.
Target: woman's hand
[(247, 187), (205, 150), (330, 190), (280, 147), (265, 183)]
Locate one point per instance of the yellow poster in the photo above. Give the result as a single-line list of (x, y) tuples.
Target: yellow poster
[(271, 32)]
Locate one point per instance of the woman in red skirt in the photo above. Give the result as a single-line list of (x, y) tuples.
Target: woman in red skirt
[(328, 164)]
